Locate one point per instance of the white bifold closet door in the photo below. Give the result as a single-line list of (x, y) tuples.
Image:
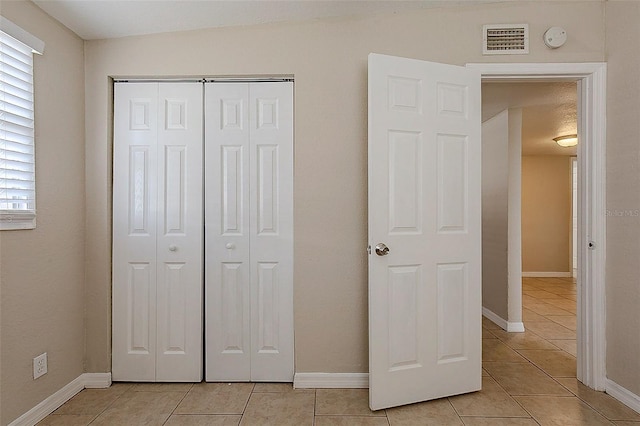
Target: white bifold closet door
[(249, 231), (157, 232)]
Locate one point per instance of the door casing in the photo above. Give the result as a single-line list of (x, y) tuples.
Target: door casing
[(591, 79)]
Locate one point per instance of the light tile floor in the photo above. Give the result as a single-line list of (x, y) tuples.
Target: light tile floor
[(528, 379)]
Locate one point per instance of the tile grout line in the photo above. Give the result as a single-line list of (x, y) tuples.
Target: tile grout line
[(592, 406), (512, 397), (315, 399), (454, 408), (253, 388), (178, 404), (315, 405), (109, 405)]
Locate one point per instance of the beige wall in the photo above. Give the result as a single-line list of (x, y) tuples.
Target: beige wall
[(546, 213), (501, 210), (623, 193), (495, 210), (42, 270), (514, 257), (329, 61)]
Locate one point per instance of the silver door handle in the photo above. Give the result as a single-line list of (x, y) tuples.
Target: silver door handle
[(173, 247), (382, 249)]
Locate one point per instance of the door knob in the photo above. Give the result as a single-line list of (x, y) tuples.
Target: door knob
[(230, 246), (382, 249), (173, 247)]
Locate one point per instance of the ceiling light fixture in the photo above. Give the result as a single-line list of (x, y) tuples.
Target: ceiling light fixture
[(567, 140)]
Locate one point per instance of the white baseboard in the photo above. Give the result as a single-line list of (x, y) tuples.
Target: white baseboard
[(547, 274), (97, 380), (510, 326), (331, 380), (623, 395), (515, 327), (52, 403)]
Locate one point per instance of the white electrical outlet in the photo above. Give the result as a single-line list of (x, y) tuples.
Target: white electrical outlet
[(39, 365)]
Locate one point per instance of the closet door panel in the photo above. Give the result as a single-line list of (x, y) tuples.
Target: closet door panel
[(227, 302), (134, 231), (271, 242), (179, 233)]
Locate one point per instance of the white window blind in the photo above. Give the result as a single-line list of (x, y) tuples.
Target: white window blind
[(17, 150)]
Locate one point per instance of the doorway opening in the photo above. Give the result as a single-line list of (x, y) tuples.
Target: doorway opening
[(590, 78), (527, 194)]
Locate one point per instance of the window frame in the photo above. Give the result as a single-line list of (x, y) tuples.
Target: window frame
[(17, 219)]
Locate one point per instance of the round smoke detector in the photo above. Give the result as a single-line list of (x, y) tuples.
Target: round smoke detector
[(555, 37)]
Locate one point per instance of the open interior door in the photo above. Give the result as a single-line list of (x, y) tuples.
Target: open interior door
[(424, 231)]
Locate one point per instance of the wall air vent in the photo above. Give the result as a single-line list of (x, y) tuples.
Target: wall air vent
[(505, 39)]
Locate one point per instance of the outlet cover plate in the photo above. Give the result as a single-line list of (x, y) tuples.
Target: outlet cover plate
[(40, 365)]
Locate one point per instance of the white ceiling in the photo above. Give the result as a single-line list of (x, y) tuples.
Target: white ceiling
[(549, 110), (98, 19)]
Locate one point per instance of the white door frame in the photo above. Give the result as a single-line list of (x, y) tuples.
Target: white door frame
[(591, 78)]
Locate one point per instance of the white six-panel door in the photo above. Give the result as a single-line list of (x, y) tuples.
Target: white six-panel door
[(157, 232), (424, 205), (249, 231)]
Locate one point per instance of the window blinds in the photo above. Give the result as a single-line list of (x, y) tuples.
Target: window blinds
[(17, 152)]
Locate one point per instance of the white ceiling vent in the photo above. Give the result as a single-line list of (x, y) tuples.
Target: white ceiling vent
[(505, 39)]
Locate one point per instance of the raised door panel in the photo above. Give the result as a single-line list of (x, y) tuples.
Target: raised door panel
[(227, 242), (175, 191), (179, 231), (139, 208), (134, 231), (268, 185), (452, 192), (405, 182), (452, 296), (140, 289), (231, 307), (172, 326), (271, 230), (268, 333), (403, 317), (232, 191)]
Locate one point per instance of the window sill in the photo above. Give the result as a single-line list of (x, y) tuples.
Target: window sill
[(16, 222)]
